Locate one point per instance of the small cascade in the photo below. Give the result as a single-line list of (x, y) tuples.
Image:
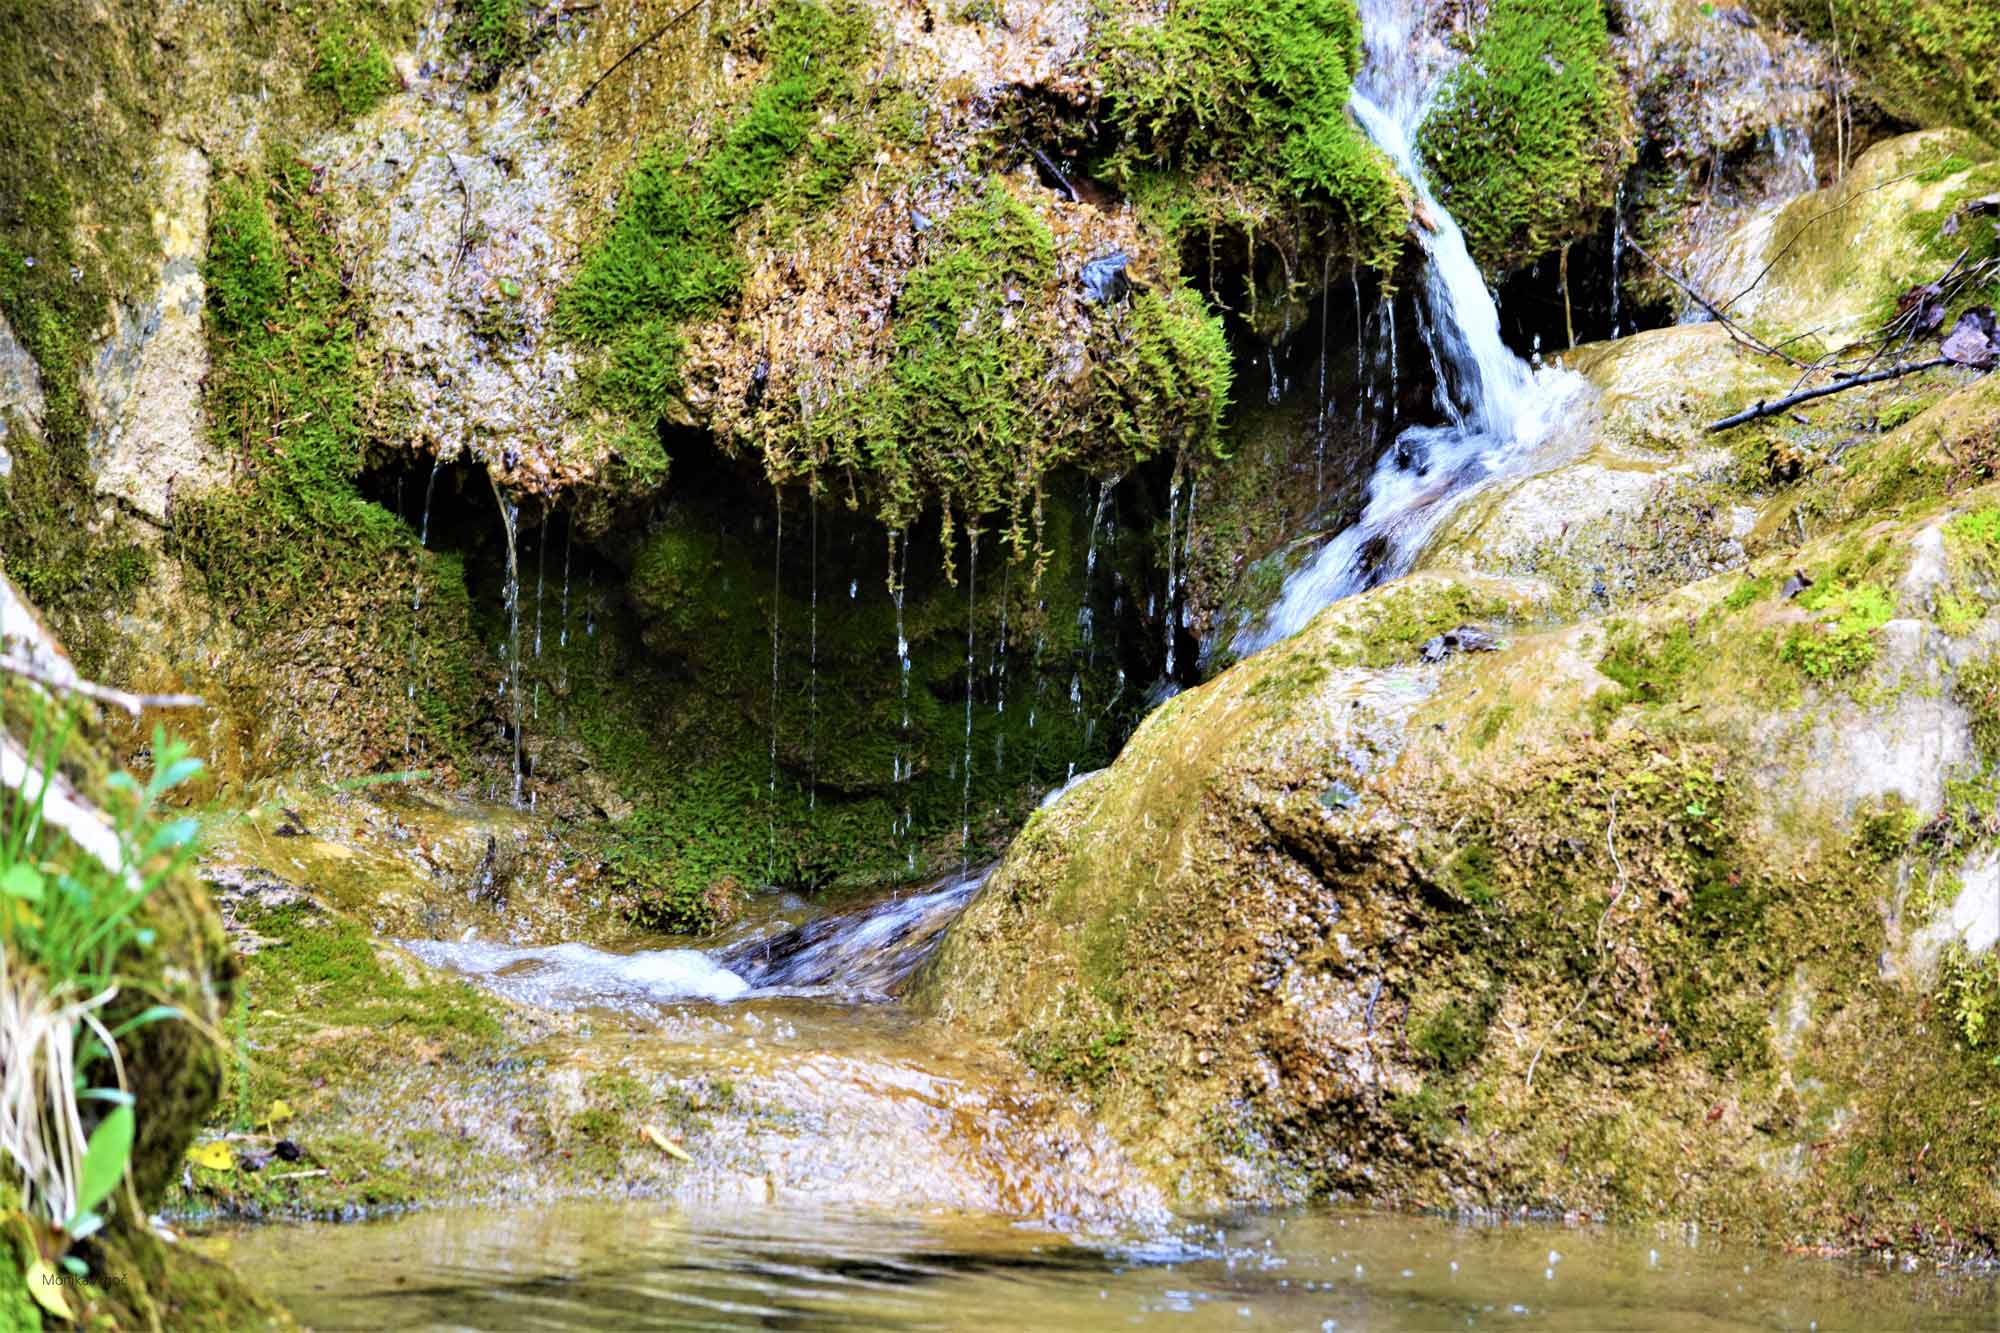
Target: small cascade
[(510, 515), (971, 628), (1495, 408)]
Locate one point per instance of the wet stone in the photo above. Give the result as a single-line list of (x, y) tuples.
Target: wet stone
[(1464, 639)]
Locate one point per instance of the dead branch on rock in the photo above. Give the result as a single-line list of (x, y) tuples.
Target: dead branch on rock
[(134, 704), (1742, 336), (643, 43), (1841, 385)]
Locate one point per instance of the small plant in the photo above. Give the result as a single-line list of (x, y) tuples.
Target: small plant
[(71, 886)]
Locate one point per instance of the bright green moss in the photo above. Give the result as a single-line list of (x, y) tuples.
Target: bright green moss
[(1977, 689), (1934, 62), (293, 544), (351, 70), (1529, 136), (73, 151), (1258, 88), (1841, 640), (671, 253)]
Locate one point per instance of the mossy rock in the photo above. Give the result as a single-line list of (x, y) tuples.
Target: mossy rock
[(1929, 62), (1528, 137), (1436, 934)]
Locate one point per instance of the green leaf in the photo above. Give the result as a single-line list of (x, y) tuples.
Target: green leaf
[(104, 1159), (159, 1013), (167, 837), (22, 881), (46, 1288), (76, 1265)]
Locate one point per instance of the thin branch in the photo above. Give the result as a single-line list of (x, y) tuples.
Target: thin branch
[(643, 43), (1736, 331), (1765, 409), (134, 704)]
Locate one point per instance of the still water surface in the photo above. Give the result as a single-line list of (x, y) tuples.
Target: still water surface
[(648, 1265)]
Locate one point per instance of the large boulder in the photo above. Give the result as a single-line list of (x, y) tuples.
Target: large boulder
[(1614, 919)]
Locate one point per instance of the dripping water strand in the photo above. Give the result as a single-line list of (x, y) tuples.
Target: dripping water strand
[(971, 625), (777, 571), (812, 697), (510, 520), (541, 577)]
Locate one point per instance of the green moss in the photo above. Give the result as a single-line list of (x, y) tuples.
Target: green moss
[(494, 34), (1651, 666), (671, 254), (1934, 62), (1841, 640), (1452, 1038), (1976, 687), (351, 70), (1529, 136), (1749, 591), (293, 543), (75, 233), (1258, 88), (1470, 873)]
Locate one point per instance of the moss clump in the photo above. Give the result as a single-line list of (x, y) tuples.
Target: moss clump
[(1841, 640), (1934, 62), (1231, 83), (351, 70), (1977, 689), (494, 34), (1652, 667), (1530, 135), (671, 253)]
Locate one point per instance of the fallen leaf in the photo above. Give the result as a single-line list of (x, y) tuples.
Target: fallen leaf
[(213, 1156), (47, 1289), (666, 1145)]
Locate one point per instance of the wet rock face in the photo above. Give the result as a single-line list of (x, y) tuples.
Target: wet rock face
[(1309, 972), (1733, 112)]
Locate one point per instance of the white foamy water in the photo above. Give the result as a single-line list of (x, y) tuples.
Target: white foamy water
[(1495, 408), (576, 976)]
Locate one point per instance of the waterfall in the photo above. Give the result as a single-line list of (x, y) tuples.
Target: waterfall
[(510, 516), (1494, 407), (971, 622)]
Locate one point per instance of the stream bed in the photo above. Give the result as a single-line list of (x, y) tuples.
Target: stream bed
[(648, 1265)]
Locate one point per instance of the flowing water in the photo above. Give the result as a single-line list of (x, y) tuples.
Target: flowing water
[(637, 1265), (1495, 408)]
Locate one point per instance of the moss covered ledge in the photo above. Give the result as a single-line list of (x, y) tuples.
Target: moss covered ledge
[(1529, 136)]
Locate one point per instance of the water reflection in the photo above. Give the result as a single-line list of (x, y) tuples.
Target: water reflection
[(634, 1265)]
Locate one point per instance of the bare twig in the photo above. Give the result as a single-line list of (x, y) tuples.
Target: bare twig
[(1765, 409), (1736, 331), (643, 43), (134, 704)]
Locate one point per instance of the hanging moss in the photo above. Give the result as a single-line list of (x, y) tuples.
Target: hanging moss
[(293, 548), (1530, 135), (1257, 88), (1933, 62)]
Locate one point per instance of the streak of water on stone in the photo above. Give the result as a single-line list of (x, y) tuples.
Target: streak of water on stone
[(1495, 408), (971, 625)]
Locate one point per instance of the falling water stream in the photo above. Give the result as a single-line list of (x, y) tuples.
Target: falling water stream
[(642, 1264), (1495, 408)]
